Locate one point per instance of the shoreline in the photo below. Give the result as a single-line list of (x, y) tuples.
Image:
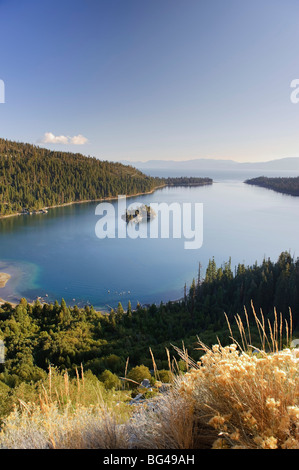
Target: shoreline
[(3, 301), (7, 277), (272, 188), (110, 198), (4, 278)]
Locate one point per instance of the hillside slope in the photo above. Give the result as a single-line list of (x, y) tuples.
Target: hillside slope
[(280, 185), (33, 178)]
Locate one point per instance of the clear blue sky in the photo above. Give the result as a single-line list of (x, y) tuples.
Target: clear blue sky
[(152, 79)]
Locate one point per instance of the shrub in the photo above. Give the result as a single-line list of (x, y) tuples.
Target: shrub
[(165, 376), (5, 400), (250, 400), (110, 380), (138, 374)]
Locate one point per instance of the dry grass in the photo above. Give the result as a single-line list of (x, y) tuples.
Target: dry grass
[(237, 396), (170, 423), (67, 414), (47, 427)]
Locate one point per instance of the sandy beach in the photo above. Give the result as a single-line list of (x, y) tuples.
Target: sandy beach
[(4, 278)]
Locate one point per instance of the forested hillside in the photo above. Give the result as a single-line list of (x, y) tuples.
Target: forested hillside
[(281, 185), (188, 181), (39, 335), (33, 178)]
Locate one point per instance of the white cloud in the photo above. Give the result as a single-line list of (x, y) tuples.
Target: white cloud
[(78, 140), (50, 138)]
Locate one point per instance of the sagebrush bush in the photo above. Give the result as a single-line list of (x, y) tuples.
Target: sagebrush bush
[(251, 400)]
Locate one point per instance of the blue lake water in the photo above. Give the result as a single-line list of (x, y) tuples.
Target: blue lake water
[(58, 255)]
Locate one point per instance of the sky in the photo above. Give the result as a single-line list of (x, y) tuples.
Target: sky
[(152, 79)]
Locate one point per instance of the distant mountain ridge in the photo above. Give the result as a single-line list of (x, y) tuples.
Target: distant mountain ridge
[(288, 163)]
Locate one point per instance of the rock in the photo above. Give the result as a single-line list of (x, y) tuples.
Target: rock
[(145, 383), (137, 400)]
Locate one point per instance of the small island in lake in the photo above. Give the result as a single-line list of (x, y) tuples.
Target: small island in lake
[(282, 185), (139, 214)]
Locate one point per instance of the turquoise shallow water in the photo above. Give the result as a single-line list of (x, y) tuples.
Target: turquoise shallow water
[(58, 255)]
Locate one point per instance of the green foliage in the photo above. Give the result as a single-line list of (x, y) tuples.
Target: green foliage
[(37, 336), (165, 376), (110, 380), (32, 178), (188, 181), (281, 185), (5, 400), (182, 366), (138, 374), (114, 362)]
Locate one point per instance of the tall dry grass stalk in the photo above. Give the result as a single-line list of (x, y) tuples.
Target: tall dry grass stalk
[(272, 337)]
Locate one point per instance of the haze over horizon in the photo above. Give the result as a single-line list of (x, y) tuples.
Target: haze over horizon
[(158, 80), (213, 159)]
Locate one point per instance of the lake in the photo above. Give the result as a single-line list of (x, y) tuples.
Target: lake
[(58, 255)]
